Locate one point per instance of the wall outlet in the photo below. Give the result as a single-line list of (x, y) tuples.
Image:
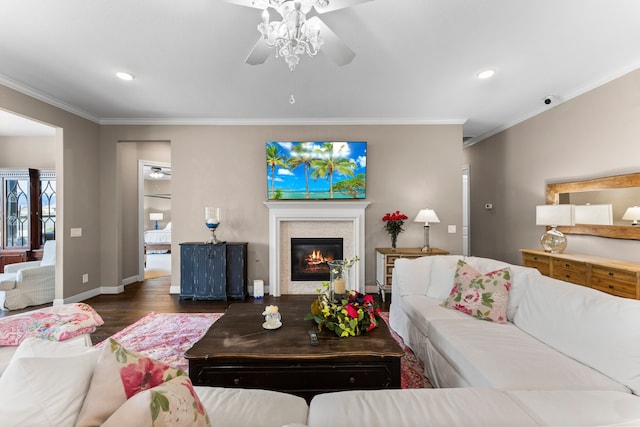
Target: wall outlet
[(85, 278), (76, 232), (451, 229)]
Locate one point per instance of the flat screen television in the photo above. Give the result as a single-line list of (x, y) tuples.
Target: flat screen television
[(316, 170)]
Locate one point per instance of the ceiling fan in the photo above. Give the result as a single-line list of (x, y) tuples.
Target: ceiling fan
[(157, 172), (296, 34)]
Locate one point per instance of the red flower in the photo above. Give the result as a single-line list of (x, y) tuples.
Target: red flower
[(351, 312), (394, 216), (143, 375), (368, 298)]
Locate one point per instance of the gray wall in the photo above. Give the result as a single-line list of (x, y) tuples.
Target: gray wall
[(590, 136), (409, 168), (77, 179), (20, 152)]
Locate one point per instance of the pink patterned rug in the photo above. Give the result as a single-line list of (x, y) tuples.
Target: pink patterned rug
[(166, 336)]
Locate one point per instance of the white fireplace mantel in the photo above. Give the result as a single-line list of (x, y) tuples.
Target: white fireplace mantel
[(282, 211)]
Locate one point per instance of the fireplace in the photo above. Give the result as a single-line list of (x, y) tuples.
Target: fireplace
[(309, 257)]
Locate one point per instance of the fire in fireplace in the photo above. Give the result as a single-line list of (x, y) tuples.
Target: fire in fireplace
[(309, 257)]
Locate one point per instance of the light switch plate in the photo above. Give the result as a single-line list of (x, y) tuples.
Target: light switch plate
[(76, 232), (451, 229)]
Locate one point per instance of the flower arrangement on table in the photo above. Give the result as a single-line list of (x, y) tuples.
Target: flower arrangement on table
[(393, 223), (350, 316)]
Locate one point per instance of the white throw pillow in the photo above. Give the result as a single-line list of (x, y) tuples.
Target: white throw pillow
[(443, 269), (45, 391), (38, 347), (412, 276)]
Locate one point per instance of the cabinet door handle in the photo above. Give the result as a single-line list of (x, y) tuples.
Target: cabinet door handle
[(352, 380), (611, 273), (236, 381), (610, 286), (566, 264)]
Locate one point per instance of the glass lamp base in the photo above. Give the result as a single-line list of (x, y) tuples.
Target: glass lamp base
[(553, 241), (213, 240)]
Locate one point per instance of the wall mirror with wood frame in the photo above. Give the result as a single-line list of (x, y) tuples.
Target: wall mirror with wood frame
[(619, 192)]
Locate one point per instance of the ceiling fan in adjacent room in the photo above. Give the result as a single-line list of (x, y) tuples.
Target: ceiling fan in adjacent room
[(297, 34), (158, 173)]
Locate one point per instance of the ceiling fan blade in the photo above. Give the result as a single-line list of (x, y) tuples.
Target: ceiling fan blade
[(335, 48), (333, 4), (247, 3), (259, 53)]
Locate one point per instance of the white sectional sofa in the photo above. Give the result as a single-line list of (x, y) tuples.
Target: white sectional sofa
[(567, 356)]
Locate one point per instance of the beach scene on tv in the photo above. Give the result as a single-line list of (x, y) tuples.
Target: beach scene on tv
[(316, 170)]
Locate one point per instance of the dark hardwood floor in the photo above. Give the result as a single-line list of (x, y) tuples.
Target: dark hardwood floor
[(139, 299)]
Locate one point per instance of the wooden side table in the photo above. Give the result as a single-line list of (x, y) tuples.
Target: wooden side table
[(386, 257)]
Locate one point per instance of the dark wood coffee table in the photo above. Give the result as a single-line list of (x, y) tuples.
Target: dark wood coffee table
[(238, 352)]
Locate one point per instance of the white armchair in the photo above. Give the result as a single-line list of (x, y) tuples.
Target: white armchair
[(29, 283)]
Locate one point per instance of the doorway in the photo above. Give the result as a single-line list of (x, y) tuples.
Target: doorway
[(466, 244), (155, 218)]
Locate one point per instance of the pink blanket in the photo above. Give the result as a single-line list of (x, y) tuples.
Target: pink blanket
[(56, 323)]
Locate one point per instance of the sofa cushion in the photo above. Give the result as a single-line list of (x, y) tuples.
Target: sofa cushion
[(170, 404), (417, 407), (422, 310), (237, 407), (45, 384), (480, 295), (579, 408), (443, 270), (412, 276), (592, 327), (119, 375), (488, 354)]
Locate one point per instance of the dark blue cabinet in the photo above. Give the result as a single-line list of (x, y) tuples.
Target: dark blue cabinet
[(213, 272)]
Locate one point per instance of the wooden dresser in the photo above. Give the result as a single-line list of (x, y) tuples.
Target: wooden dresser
[(385, 257), (615, 277)]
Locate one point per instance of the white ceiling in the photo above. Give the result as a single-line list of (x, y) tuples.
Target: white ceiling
[(416, 60), (14, 125)]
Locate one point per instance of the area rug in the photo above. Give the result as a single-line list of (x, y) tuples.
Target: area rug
[(167, 336), (412, 370)]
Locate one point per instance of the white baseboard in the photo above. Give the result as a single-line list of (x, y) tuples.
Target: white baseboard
[(130, 280), (78, 297), (174, 289)]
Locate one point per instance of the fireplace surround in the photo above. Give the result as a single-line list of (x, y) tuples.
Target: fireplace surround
[(348, 212)]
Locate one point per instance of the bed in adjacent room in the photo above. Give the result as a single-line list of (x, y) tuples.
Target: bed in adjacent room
[(158, 240)]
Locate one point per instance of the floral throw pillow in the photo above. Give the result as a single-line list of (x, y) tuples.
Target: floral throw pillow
[(119, 375), (484, 296), (171, 404)]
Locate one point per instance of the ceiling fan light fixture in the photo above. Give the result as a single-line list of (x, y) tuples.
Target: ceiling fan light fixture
[(294, 35), (156, 173)]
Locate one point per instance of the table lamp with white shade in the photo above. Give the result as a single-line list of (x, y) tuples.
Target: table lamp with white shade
[(632, 214), (156, 216), (553, 216), (426, 216)]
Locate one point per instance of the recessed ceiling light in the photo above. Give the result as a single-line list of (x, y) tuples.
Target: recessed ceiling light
[(486, 74), (124, 76)]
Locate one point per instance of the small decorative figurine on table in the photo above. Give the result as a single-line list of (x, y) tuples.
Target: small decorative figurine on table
[(272, 318)]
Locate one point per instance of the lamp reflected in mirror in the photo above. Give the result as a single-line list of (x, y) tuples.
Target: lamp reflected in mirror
[(632, 214)]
